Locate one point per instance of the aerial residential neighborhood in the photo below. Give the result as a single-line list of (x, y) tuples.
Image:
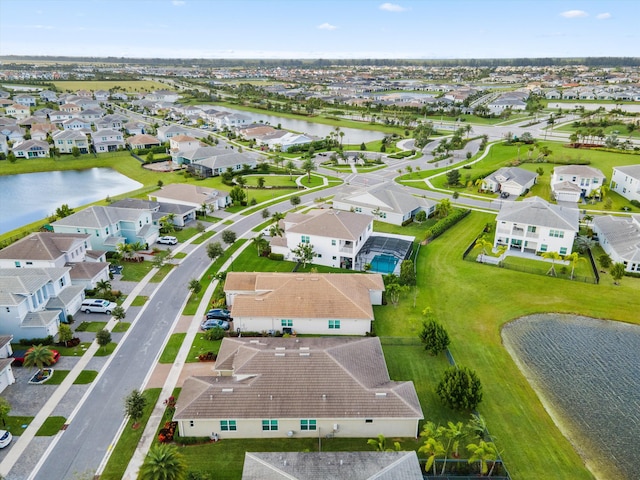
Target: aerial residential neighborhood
[(241, 240)]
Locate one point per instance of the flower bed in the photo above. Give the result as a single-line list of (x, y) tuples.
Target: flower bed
[(166, 434), (39, 378)]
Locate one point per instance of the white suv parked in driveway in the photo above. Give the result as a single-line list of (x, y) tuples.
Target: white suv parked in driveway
[(167, 240), (98, 305)]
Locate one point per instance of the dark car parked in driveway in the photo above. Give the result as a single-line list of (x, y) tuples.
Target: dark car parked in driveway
[(213, 323), (220, 313)]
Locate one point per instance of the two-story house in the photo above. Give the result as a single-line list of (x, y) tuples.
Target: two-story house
[(536, 226), (625, 181), (573, 182), (66, 140), (107, 140), (57, 250), (619, 237), (77, 124), (25, 99), (19, 112), (33, 301), (110, 226), (6, 372), (336, 236), (32, 149)]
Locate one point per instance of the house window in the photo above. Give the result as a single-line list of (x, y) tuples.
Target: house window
[(307, 424), (531, 229), (17, 264), (228, 425), (334, 258), (286, 323), (368, 420), (29, 263), (333, 243), (268, 425), (305, 239), (334, 324), (543, 248), (62, 282), (563, 251), (556, 233)]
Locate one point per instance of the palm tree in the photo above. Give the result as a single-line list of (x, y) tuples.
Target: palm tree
[(103, 286), (163, 462), (379, 444), (308, 166), (434, 449), (484, 244), (587, 219), (290, 167), (483, 452), (443, 208), (259, 242), (574, 258), (553, 256), (584, 243), (38, 356)]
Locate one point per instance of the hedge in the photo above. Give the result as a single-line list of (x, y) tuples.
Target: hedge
[(446, 223), (276, 256)]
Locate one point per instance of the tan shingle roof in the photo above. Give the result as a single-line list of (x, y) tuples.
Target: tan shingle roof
[(303, 295), (330, 223), (42, 246), (299, 378)]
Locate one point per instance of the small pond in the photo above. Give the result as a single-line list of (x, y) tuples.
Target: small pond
[(587, 373), (30, 197)]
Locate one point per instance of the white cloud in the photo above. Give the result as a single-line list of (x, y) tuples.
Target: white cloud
[(574, 14), (603, 16), (178, 3), (326, 26), (392, 7)]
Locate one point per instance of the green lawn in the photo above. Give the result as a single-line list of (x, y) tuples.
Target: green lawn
[(162, 272), (51, 426), (540, 267), (463, 296), (139, 301), (58, 377), (16, 424), (134, 272), (91, 326), (130, 86), (179, 255), (170, 351), (121, 327), (201, 345), (123, 450), (106, 350), (76, 351), (86, 377), (202, 238)]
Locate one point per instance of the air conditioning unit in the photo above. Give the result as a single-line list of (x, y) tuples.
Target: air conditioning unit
[(336, 427)]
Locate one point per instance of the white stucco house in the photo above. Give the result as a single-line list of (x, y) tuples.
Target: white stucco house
[(192, 195), (6, 372), (66, 140), (625, 181), (385, 202), (298, 388), (587, 179), (332, 304), (107, 140), (32, 149), (513, 180), (619, 237), (337, 236), (536, 226)]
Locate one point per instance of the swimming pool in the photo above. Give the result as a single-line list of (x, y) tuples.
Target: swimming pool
[(384, 263)]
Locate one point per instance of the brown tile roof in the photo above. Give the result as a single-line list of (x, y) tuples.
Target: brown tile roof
[(332, 223), (86, 270), (42, 246), (143, 139), (303, 295), (299, 378)]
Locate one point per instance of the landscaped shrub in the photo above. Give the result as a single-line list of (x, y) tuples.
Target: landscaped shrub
[(37, 341), (635, 203), (460, 389), (443, 225), (276, 256)]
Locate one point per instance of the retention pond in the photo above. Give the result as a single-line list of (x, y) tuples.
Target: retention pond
[(587, 373)]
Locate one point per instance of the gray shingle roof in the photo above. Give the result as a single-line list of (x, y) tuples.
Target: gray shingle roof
[(387, 197), (99, 217), (631, 170), (536, 211), (334, 465), (622, 234), (513, 174), (308, 378)]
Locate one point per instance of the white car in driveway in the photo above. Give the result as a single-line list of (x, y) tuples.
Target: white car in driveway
[(167, 240), (5, 438)]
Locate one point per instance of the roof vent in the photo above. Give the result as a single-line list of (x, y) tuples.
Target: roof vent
[(281, 348), (324, 396), (304, 348), (305, 354), (254, 341), (381, 394), (280, 354), (227, 390)]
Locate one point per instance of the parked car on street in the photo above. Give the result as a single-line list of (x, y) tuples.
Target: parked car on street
[(5, 438), (167, 240), (214, 322), (219, 313), (18, 357), (97, 305)]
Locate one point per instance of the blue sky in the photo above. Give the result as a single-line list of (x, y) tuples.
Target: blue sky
[(320, 29)]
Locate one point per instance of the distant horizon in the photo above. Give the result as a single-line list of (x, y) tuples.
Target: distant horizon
[(320, 29)]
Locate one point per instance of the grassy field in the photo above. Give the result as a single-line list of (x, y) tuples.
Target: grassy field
[(126, 85), (464, 297)]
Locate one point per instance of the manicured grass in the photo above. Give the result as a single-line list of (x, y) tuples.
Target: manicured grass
[(139, 301), (473, 302), (57, 377), (51, 426), (179, 255), (135, 272), (201, 345), (91, 326), (76, 351), (271, 180), (121, 327), (86, 377), (106, 350), (249, 261), (207, 278), (185, 234), (123, 450), (129, 86), (202, 238), (540, 267), (162, 272), (414, 229), (170, 351), (14, 424)]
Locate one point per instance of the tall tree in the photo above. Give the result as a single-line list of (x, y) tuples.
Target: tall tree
[(163, 462), (229, 236), (574, 258), (103, 337), (309, 166), (64, 333), (103, 286), (434, 337), (460, 389), (617, 272), (214, 250), (259, 242), (5, 408), (64, 210), (134, 405), (290, 168), (195, 286)]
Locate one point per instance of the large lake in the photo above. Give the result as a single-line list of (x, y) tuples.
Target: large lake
[(587, 374), (351, 135), (30, 197)]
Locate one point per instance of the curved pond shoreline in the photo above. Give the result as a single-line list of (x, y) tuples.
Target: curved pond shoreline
[(586, 373)]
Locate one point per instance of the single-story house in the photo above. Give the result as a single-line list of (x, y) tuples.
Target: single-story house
[(192, 195), (334, 465), (536, 226), (387, 202), (625, 181), (142, 140), (336, 304), (299, 388), (513, 180), (619, 237)]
